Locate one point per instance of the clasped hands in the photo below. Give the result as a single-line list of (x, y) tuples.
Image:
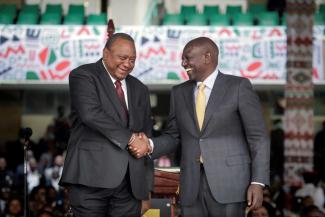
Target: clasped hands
[(139, 145)]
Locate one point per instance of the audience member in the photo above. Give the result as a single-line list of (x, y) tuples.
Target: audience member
[(53, 174), (37, 200), (15, 151), (312, 211), (6, 176), (5, 194), (278, 194), (311, 189), (61, 129), (14, 208), (319, 152), (266, 210), (277, 149)]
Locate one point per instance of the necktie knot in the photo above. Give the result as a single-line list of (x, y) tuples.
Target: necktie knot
[(201, 86), (118, 83)]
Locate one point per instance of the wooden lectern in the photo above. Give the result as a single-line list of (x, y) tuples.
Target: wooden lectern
[(166, 185)]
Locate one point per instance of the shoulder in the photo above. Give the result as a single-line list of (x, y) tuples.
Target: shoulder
[(86, 69), (184, 85), (233, 80), (137, 83)]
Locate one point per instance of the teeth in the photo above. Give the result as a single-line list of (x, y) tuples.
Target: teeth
[(188, 69)]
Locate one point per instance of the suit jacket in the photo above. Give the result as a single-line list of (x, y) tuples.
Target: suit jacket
[(97, 153), (233, 140)]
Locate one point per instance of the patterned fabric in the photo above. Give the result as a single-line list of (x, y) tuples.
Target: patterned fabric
[(299, 91)]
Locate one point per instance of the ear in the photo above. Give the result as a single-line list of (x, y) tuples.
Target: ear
[(207, 58), (105, 52)]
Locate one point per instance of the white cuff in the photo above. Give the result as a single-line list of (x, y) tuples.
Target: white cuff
[(258, 183), (151, 145)]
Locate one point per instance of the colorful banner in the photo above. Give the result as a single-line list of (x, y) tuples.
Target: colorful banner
[(49, 53)]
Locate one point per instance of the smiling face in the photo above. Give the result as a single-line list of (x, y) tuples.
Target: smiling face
[(199, 58), (194, 62), (120, 58)]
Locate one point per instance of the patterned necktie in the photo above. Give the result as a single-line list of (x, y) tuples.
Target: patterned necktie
[(120, 94), (200, 105)]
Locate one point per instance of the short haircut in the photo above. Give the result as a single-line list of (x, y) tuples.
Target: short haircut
[(205, 42), (116, 36), (207, 45)]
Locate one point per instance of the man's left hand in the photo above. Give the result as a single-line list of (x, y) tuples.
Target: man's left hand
[(254, 197)]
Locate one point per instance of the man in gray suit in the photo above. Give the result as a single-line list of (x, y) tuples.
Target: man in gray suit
[(108, 106), (217, 121)]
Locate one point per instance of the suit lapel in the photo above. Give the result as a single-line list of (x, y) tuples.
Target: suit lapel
[(109, 89), (215, 99), (188, 93)]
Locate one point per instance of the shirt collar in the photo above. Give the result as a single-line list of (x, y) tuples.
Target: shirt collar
[(113, 79), (209, 81)]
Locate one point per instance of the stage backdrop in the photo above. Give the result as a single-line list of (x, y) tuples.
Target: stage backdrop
[(48, 53)]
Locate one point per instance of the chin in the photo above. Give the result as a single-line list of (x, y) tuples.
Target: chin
[(123, 76), (190, 77)]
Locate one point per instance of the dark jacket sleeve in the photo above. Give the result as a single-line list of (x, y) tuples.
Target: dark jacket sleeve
[(255, 131), (168, 142)]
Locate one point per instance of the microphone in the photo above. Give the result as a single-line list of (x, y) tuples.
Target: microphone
[(26, 133)]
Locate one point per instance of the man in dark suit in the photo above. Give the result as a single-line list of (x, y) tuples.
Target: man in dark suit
[(217, 120), (108, 106)]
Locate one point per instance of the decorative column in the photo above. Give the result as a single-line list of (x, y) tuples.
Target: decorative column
[(299, 91)]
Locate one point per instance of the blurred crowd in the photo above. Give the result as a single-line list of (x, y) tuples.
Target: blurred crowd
[(46, 157), (44, 164)]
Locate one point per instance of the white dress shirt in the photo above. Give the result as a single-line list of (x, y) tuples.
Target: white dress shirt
[(123, 85), (208, 82)]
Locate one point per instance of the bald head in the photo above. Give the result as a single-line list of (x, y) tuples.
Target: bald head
[(207, 46)]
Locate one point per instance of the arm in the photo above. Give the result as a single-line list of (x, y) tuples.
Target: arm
[(255, 131), (169, 140), (85, 101), (162, 145), (258, 142)]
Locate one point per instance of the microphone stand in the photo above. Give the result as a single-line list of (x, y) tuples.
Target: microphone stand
[(26, 148)]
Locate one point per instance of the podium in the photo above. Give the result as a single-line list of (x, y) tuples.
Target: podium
[(164, 196)]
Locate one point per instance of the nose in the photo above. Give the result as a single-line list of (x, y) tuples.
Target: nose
[(184, 63), (127, 63)]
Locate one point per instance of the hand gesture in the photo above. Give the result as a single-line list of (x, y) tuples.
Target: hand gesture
[(139, 145)]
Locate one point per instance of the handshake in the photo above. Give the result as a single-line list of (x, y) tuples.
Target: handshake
[(139, 145)]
